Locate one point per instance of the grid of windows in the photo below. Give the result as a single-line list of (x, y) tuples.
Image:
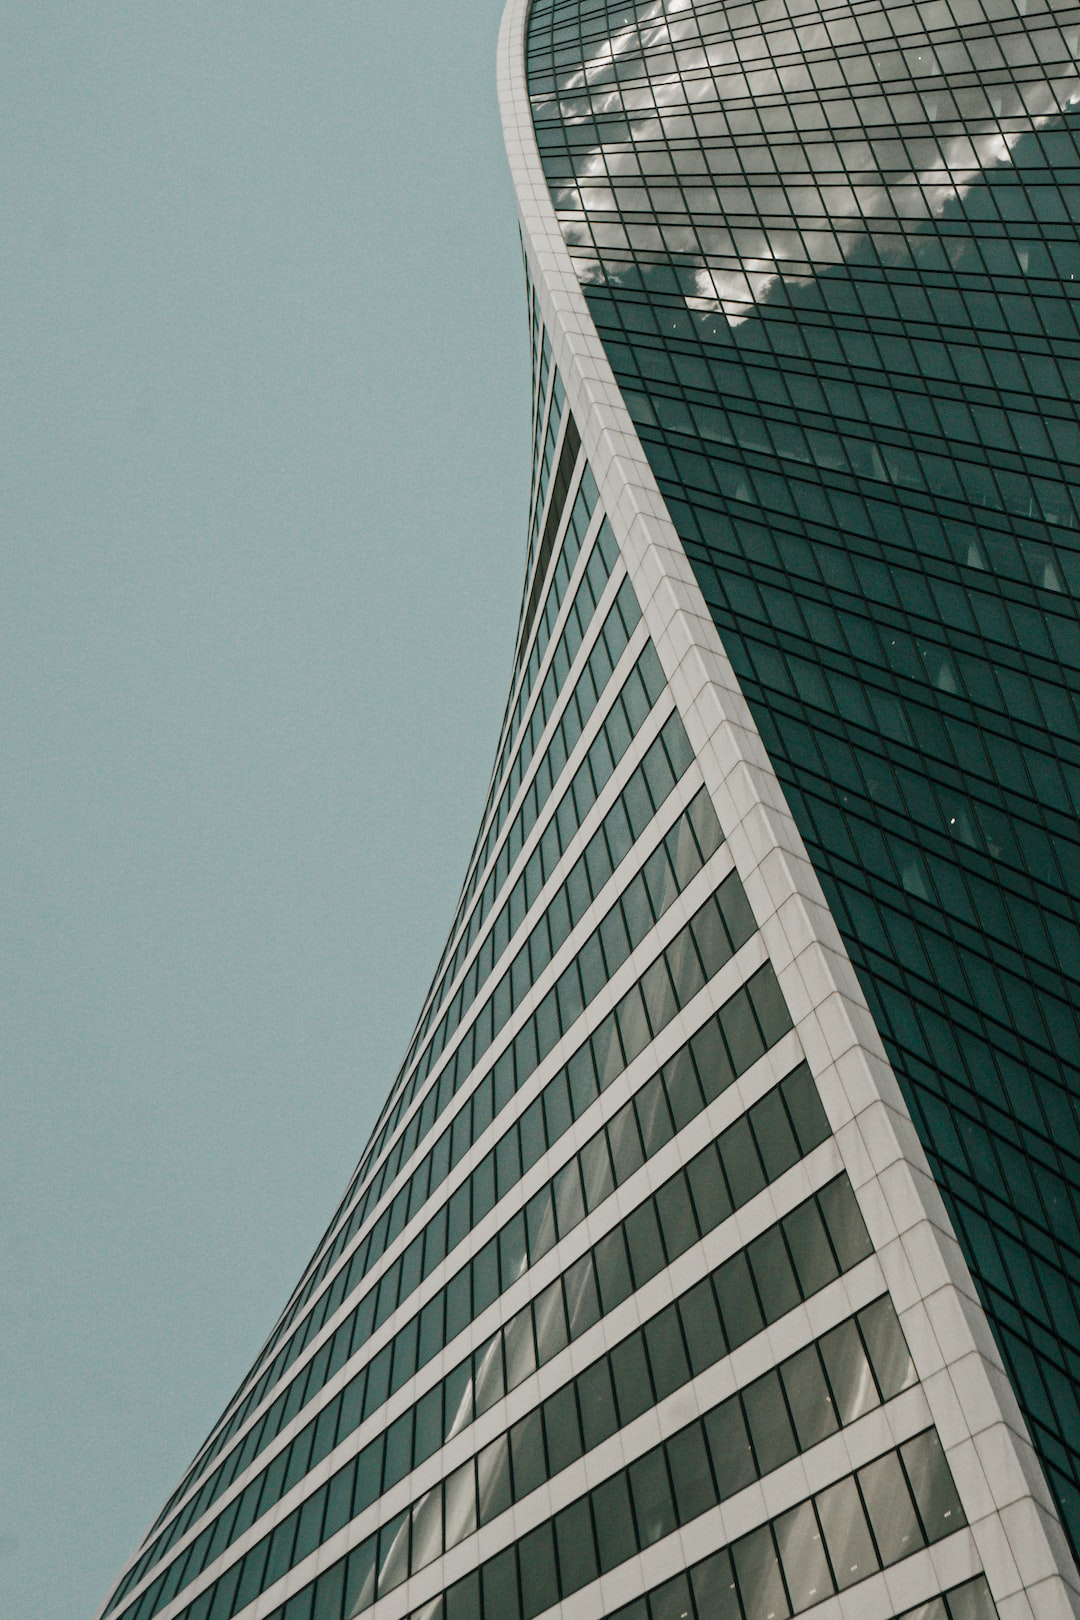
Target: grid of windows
[(831, 252), (971, 1601), (755, 1150), (771, 1577), (751, 1021), (818, 1241), (718, 929), (867, 1521)]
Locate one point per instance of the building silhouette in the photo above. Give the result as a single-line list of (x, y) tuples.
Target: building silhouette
[(715, 1253)]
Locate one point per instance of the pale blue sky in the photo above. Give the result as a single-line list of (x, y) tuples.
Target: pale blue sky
[(265, 396)]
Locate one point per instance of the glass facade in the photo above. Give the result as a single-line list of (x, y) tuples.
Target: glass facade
[(831, 253), (606, 1321)]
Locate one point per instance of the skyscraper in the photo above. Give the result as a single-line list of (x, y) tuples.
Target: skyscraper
[(715, 1254)]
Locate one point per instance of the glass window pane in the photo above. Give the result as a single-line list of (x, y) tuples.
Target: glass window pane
[(742, 1166), (729, 1446), (556, 1108), (582, 1298), (804, 1106), (847, 1536), (691, 1475), (513, 1250), (739, 1308), (368, 1476), (519, 1349), (607, 1051), (536, 1563), (393, 1553), (398, 1450), (972, 1601), (681, 1084), (309, 1531), (463, 1598), (802, 1554), (654, 1509), (767, 1418), (339, 1502), (488, 1377), (360, 1578), (582, 1077), (500, 1587), (810, 1249), (428, 1431), (711, 1056), (562, 1429), (280, 1554), (613, 1269), (550, 1318), (738, 916), (712, 1202), (598, 1415), (771, 1265), (540, 1220), (427, 1540), (527, 1447), (849, 1372), (458, 1303), (714, 1588), (769, 1004), (809, 1398), (493, 1479), (741, 1031), (711, 939), (888, 1349), (932, 1486), (934, 1610), (676, 1216), (643, 1241), (577, 1552), (846, 1225), (890, 1509), (625, 1143), (224, 1592), (654, 1120), (701, 1326), (757, 1570), (569, 1198), (685, 967), (614, 1522), (596, 1171), (460, 1504), (330, 1593), (667, 1357), (672, 1601), (774, 1135), (630, 1370), (458, 1396)]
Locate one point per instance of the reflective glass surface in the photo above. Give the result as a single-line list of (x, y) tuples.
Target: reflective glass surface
[(831, 251)]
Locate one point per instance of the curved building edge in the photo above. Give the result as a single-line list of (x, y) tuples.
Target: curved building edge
[(1024, 1551)]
